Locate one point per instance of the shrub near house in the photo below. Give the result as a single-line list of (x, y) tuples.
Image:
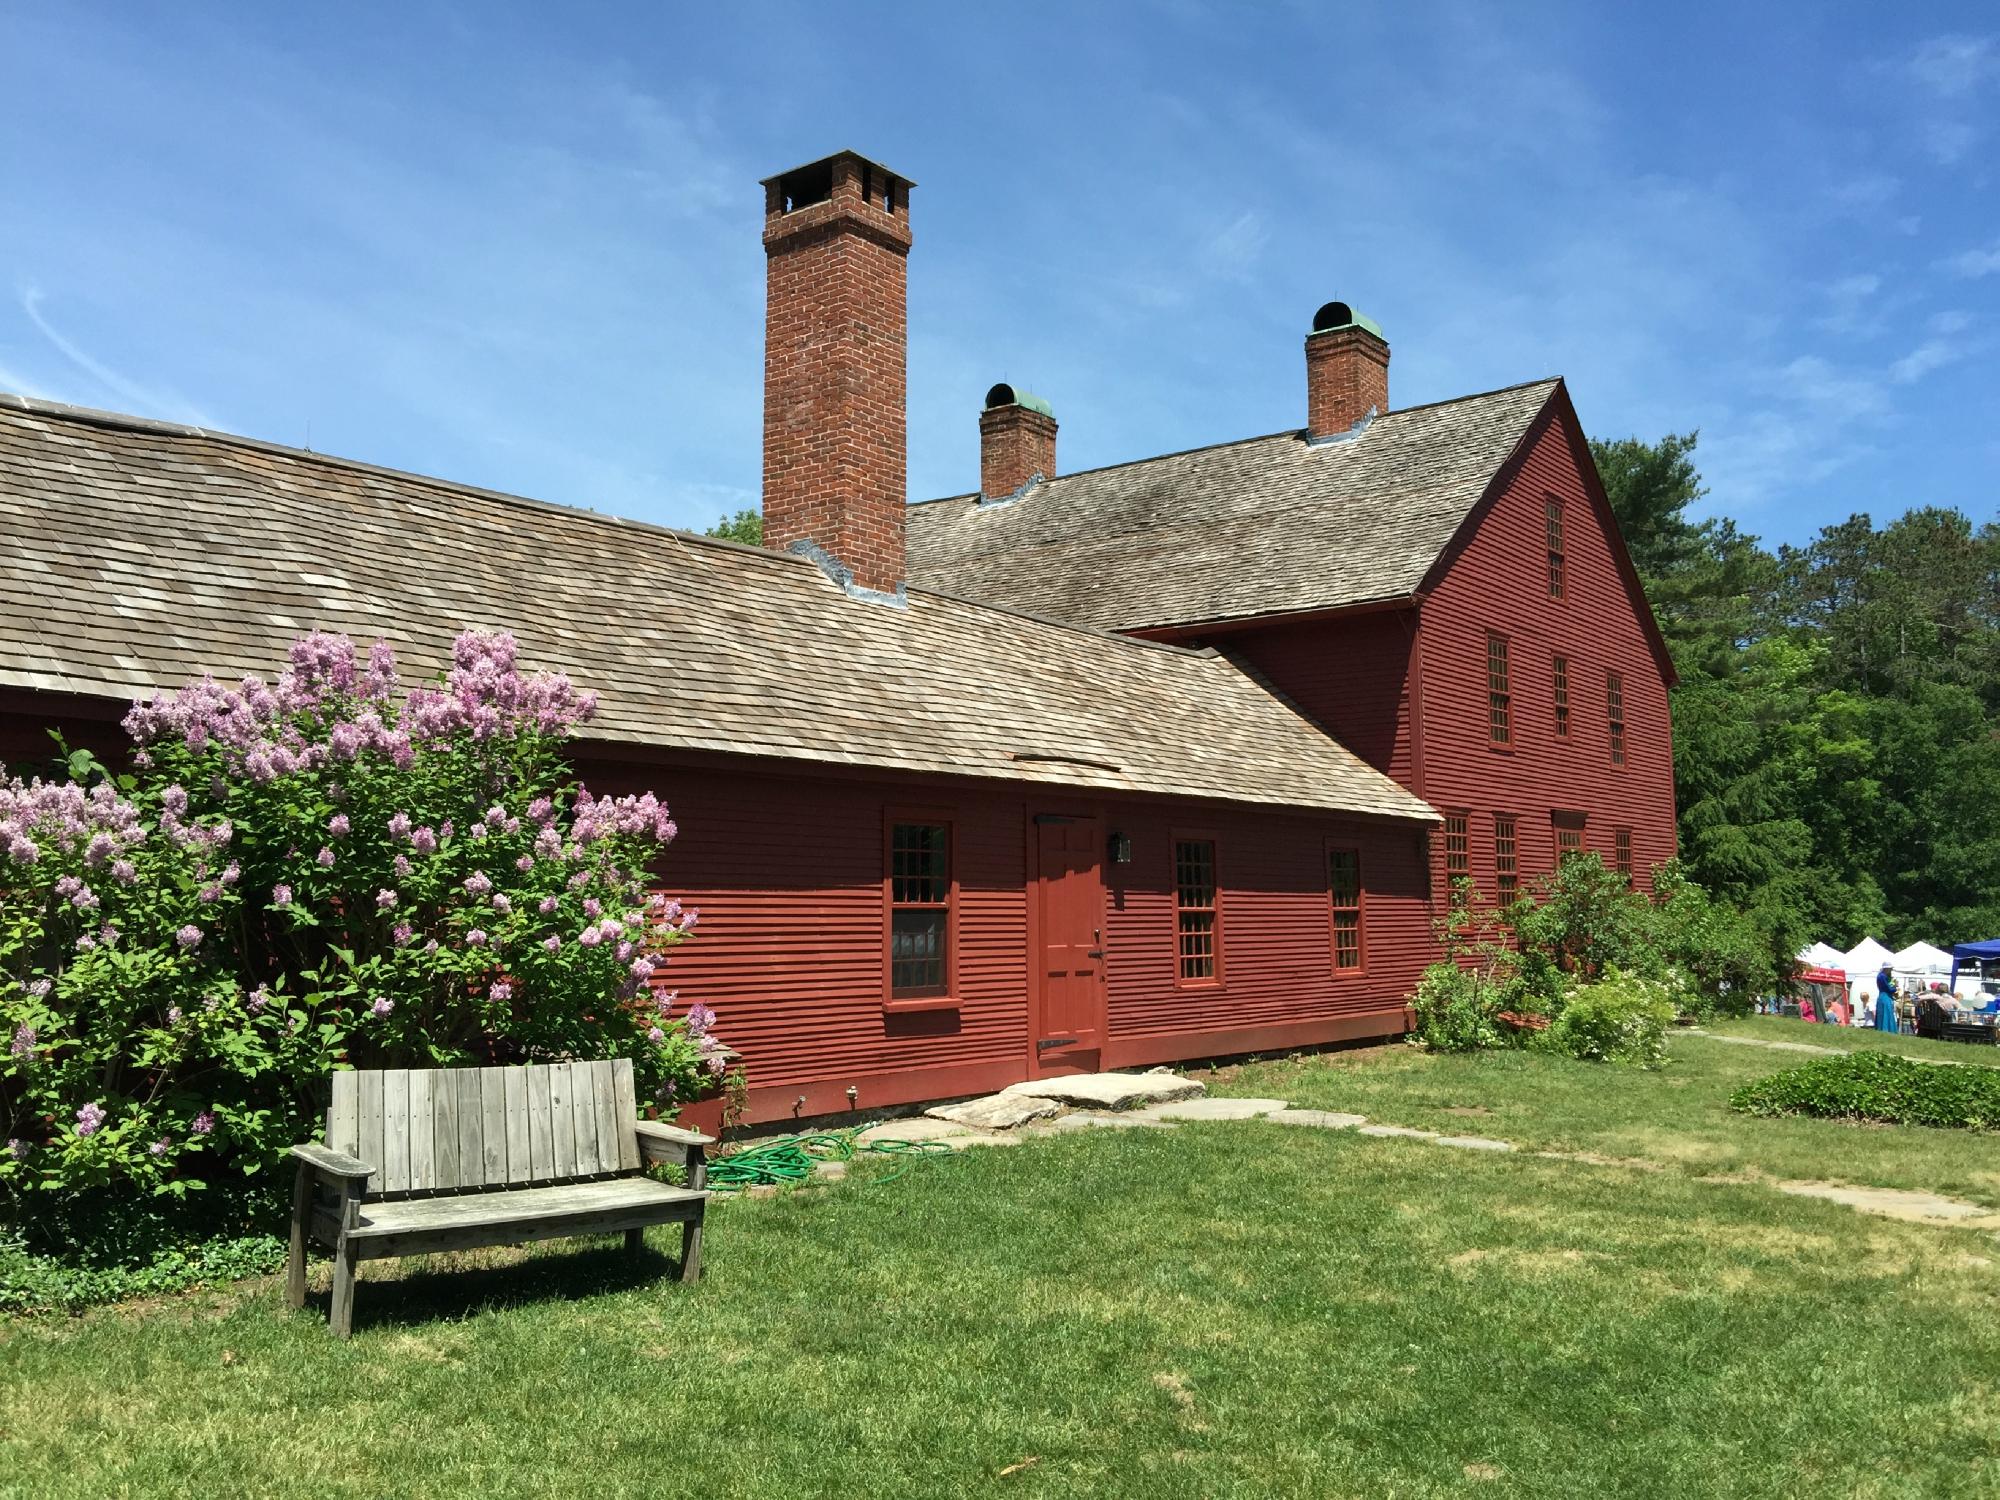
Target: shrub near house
[(307, 873)]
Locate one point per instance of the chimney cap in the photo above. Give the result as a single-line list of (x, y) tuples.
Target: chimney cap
[(828, 160), (1004, 394), (1337, 315)]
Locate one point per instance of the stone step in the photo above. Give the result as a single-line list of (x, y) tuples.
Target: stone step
[(1109, 1090)]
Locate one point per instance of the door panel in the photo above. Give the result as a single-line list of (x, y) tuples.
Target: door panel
[(1069, 909)]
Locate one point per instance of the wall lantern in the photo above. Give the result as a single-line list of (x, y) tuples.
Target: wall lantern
[(1121, 848)]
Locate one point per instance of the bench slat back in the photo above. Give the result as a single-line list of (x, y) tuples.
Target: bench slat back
[(444, 1130)]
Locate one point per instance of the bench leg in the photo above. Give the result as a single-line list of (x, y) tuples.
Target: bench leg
[(691, 1250), (340, 1318), (635, 1241), (295, 1261)]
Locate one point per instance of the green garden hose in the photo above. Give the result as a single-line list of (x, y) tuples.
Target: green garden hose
[(789, 1160)]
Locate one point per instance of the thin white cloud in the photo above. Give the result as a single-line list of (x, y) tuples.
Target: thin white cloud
[(1973, 264), (1954, 66), (141, 399)]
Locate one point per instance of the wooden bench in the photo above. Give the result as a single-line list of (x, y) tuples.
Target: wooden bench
[(419, 1160)]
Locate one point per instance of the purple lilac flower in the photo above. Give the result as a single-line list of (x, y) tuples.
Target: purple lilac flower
[(24, 1039), (84, 900), (108, 933), (173, 1015), (478, 883), (89, 1118), (259, 998), (231, 873), (124, 871), (40, 988), (384, 899), (552, 943), (501, 904), (715, 1062), (431, 948), (189, 936), (700, 1019), (656, 1036), (590, 937), (500, 990), (424, 841), (477, 833), (210, 894), (625, 951), (18, 1149), (592, 908), (382, 1007), (642, 968), (402, 866), (281, 894), (324, 859), (402, 932), (547, 905), (665, 1003), (101, 847), (444, 829), (203, 1123), (525, 863), (541, 810), (337, 825), (399, 825), (160, 1147), (67, 886), (476, 938), (175, 800)]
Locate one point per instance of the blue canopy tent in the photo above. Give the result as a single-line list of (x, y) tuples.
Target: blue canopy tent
[(1985, 953)]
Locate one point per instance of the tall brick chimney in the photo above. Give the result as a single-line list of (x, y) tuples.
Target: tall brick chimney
[(1017, 442), (1347, 370), (837, 242)]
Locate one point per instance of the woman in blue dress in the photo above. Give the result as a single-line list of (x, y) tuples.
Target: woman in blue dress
[(1885, 1000)]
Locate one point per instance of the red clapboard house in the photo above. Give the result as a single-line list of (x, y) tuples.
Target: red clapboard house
[(1084, 771)]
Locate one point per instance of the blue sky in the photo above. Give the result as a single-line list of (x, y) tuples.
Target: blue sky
[(520, 248)]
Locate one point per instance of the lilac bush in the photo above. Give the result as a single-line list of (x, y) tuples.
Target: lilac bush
[(311, 873)]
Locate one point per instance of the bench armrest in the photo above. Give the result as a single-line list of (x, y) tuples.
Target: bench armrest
[(670, 1134), (331, 1163)]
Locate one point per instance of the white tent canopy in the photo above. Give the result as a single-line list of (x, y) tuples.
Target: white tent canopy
[(1864, 958), (1922, 958), (1823, 956)]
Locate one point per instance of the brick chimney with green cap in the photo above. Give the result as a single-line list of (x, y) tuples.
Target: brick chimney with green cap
[(1017, 442), (1347, 370)]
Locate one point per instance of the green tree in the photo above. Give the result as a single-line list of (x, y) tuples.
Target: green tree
[(746, 526)]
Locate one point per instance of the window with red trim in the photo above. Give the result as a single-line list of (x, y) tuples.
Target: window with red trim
[(1457, 853), (1506, 858), (1614, 703), (1195, 907), (1553, 516), (1621, 852), (1499, 693), (919, 909), (1343, 873), (1562, 696)]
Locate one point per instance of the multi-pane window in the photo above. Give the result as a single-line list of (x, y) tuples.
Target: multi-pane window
[(1499, 692), (1569, 840), (1457, 853), (1194, 900), (1506, 858), (1562, 696), (1343, 870), (1614, 703), (1621, 852), (919, 908), (1553, 514)]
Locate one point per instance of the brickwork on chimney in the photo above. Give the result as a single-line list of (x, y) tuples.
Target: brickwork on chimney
[(835, 356), (1347, 372), (1015, 444)]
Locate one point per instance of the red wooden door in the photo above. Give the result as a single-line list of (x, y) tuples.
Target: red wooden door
[(1069, 910)]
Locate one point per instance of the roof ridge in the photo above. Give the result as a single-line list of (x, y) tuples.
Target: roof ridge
[(121, 421), (1128, 463)]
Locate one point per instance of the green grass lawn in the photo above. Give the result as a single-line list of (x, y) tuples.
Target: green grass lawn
[(1220, 1310)]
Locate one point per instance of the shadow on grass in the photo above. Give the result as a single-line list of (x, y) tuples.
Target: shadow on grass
[(442, 1288)]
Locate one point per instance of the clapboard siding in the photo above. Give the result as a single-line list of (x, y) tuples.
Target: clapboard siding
[(1351, 674), (1498, 582)]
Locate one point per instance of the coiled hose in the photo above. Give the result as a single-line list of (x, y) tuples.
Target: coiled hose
[(789, 1160)]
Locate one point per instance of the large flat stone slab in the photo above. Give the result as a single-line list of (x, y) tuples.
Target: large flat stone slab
[(1216, 1109), (1316, 1119), (997, 1111), (1110, 1090)]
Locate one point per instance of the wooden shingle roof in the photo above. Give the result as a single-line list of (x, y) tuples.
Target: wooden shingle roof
[(140, 554), (1270, 525)]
